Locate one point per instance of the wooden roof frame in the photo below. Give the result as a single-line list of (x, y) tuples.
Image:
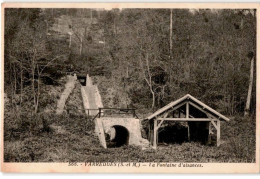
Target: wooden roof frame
[(194, 102)]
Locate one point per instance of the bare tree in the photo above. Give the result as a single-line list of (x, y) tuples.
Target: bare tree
[(148, 76), (170, 39), (251, 78)]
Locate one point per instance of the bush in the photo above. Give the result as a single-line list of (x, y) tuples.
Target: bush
[(239, 135), (20, 124)]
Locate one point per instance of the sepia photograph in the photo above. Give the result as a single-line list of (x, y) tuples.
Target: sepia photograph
[(166, 86)]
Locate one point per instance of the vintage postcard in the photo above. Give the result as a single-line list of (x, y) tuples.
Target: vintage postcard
[(130, 88)]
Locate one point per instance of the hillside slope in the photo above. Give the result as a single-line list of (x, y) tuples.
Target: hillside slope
[(72, 138)]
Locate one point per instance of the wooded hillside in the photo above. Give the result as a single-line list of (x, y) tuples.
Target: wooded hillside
[(150, 56)]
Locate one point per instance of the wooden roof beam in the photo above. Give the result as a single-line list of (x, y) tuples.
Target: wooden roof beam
[(187, 119), (208, 108), (202, 110), (188, 99), (176, 107)]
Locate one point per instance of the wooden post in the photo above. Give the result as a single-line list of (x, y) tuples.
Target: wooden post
[(155, 134), (149, 131), (187, 116), (218, 132), (188, 132), (151, 135), (210, 132), (187, 110), (134, 114), (99, 112)]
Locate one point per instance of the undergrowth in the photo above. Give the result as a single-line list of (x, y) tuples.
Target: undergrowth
[(71, 137)]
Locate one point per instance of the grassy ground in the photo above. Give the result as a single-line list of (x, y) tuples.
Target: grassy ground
[(71, 138)]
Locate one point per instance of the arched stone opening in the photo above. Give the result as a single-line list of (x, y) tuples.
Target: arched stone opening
[(82, 79), (117, 136)]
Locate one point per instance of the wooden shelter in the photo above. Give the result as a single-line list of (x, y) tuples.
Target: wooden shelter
[(186, 109)]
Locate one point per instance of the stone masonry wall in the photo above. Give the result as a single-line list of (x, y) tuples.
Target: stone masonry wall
[(131, 124)]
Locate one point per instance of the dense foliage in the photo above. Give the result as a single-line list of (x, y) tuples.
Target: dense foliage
[(210, 57)]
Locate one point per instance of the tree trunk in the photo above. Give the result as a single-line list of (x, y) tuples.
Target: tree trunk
[(170, 39), (127, 72), (91, 15), (114, 27), (148, 77), (47, 27), (10, 78), (149, 81), (242, 23), (38, 91), (21, 84), (250, 88), (153, 94), (70, 42), (33, 88), (15, 80), (80, 47), (98, 14), (33, 80)]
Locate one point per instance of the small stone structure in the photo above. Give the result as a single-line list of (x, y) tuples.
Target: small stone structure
[(110, 125), (122, 130)]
